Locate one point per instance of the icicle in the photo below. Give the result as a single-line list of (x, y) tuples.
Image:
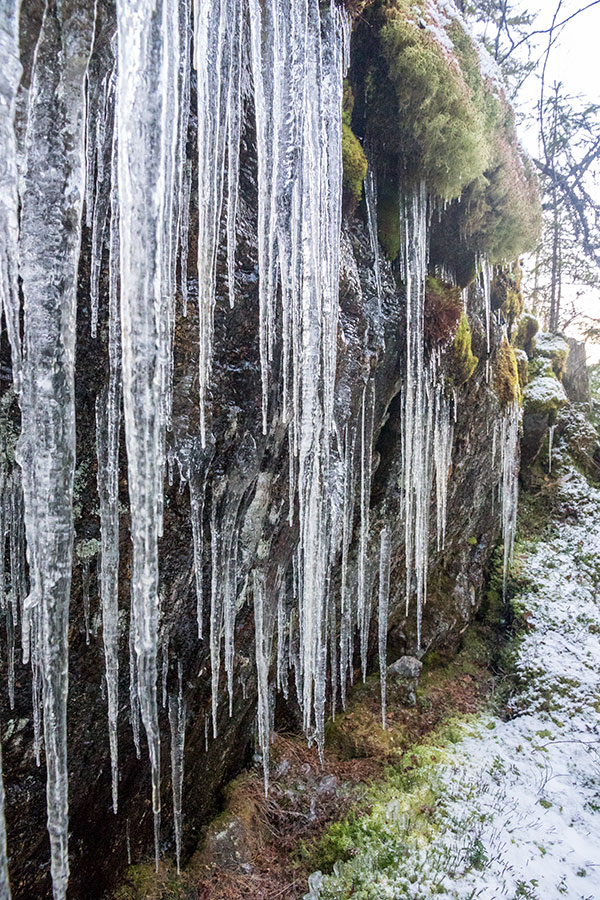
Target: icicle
[(165, 666), (297, 57), (551, 430), (416, 439), (487, 273), (177, 718), (366, 453), (217, 29), (10, 66), (147, 95), (4, 883), (134, 703), (49, 257), (509, 481), (108, 421), (216, 616), (85, 581), (443, 436), (371, 204), (197, 517), (384, 596), (261, 640), (128, 842)]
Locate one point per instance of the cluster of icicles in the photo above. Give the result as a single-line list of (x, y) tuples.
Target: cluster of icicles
[(116, 154)]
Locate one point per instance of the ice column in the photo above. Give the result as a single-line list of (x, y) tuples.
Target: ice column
[(148, 98), (10, 75), (51, 207)]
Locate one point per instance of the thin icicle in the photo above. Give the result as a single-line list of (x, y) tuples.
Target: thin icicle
[(371, 204), (217, 26), (509, 481), (177, 720), (261, 640), (366, 454), (4, 883), (551, 430), (384, 596), (108, 422)]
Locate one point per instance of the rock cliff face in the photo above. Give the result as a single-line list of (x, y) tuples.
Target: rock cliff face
[(239, 484)]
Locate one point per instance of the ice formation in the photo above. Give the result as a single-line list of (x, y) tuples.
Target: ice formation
[(118, 156)]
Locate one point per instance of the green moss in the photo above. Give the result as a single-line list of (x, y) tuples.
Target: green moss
[(555, 349), (462, 362), (506, 293), (353, 158), (527, 328), (507, 375), (429, 114), (523, 368), (443, 308), (437, 128)]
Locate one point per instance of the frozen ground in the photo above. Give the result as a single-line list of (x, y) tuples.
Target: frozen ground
[(512, 808)]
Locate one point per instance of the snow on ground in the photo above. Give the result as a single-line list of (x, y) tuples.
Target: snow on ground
[(516, 803)]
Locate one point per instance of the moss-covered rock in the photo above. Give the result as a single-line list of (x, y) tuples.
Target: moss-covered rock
[(555, 348), (506, 379), (506, 293), (428, 113), (522, 367), (462, 362), (443, 309), (544, 395), (527, 329), (353, 157)]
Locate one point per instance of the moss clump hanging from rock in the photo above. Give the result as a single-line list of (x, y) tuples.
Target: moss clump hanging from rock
[(427, 112), (443, 308), (353, 157), (527, 328), (462, 362), (523, 368), (506, 293), (507, 375)]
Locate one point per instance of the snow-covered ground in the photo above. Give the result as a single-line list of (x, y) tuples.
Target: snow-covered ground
[(513, 806)]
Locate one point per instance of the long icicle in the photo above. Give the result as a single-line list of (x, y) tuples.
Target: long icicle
[(148, 89), (51, 210)]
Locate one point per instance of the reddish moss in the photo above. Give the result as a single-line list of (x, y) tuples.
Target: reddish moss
[(443, 308)]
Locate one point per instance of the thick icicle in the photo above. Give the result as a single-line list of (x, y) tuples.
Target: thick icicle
[(384, 596), (51, 208), (147, 95), (10, 76), (177, 718)]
